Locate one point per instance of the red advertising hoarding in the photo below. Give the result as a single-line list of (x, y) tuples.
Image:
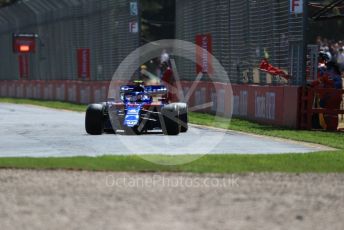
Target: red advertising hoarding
[(23, 61), (84, 63), (204, 54)]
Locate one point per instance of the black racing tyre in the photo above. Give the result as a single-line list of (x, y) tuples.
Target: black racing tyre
[(183, 117), (94, 121), (109, 131), (170, 115)]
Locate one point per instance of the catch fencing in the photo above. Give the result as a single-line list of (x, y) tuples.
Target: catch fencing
[(107, 29), (243, 33)]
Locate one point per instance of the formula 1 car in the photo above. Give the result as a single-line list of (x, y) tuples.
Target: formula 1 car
[(141, 109)]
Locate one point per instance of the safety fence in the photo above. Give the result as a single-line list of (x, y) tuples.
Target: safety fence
[(72, 34), (243, 33), (101, 33)]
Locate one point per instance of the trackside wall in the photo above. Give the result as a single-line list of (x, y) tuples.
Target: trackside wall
[(274, 105)]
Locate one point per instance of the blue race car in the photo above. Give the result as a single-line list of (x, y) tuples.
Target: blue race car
[(141, 109)]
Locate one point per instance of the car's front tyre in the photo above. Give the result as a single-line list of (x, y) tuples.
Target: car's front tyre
[(94, 121), (183, 117), (170, 124)]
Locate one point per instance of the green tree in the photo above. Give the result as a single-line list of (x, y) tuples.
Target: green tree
[(6, 2)]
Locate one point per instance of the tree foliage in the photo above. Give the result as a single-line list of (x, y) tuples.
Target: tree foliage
[(6, 2)]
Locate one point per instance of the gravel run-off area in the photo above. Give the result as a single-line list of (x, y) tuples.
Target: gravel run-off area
[(102, 200)]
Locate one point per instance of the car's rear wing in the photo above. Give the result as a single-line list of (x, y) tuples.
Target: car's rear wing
[(151, 90), (156, 90)]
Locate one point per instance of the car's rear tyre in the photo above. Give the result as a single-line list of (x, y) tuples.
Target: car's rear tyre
[(170, 115), (183, 117), (109, 131), (94, 121)]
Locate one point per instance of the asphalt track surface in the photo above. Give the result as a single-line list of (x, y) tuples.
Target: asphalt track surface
[(31, 131)]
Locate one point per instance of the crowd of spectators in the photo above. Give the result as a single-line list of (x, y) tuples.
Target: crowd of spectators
[(334, 49)]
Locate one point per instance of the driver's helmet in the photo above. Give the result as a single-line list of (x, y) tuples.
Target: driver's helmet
[(138, 97), (139, 86)]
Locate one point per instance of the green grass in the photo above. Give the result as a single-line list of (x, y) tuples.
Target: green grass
[(331, 139), (321, 162), (48, 104)]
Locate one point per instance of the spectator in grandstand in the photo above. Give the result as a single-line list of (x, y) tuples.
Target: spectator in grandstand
[(164, 62), (334, 75), (165, 57), (340, 59), (333, 49), (147, 77), (329, 77), (167, 77), (326, 50), (168, 80)]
